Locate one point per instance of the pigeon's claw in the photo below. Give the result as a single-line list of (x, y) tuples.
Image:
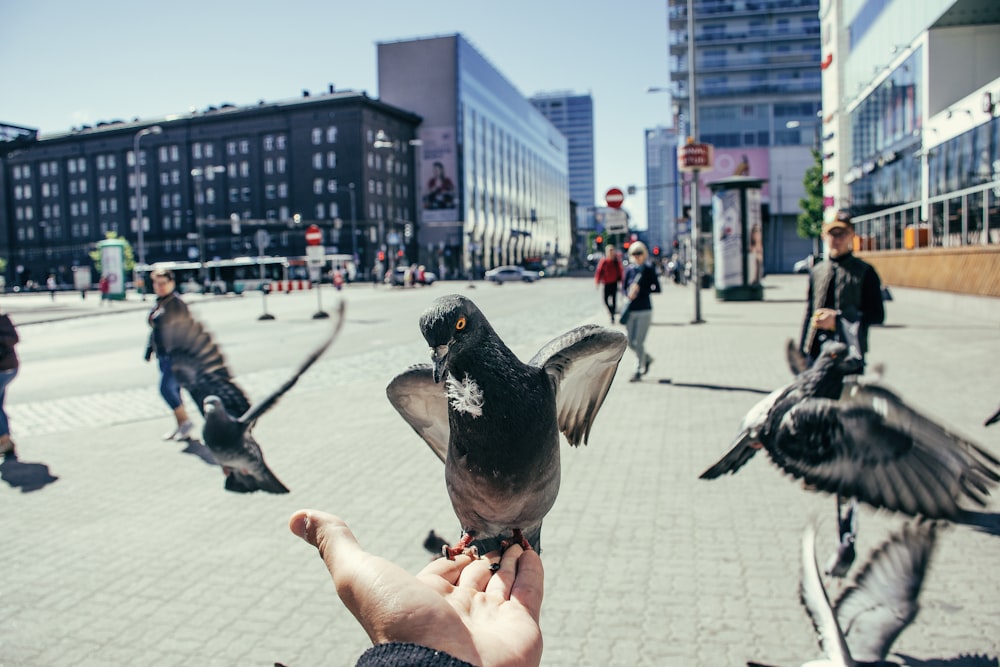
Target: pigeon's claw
[(516, 538), (461, 548)]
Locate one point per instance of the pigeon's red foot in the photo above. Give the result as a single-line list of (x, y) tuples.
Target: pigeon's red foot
[(516, 538), (461, 548)]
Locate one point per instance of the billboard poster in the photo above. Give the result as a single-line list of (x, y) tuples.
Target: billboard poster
[(729, 162), (113, 267), (755, 246), (727, 238), (438, 173)]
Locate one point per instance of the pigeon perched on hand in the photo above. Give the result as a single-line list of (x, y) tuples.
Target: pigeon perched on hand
[(201, 369), (495, 422), (860, 628), (862, 441)]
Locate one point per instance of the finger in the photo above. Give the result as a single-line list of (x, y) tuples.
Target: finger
[(529, 584), (445, 569), (476, 575), (503, 579)]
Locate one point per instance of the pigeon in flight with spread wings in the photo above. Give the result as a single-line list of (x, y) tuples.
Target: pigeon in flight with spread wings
[(201, 369), (496, 421), (860, 628), (862, 441)]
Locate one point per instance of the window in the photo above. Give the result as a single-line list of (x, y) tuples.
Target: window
[(175, 153), (281, 164), (269, 142), (283, 190), (331, 135), (317, 160), (244, 147), (231, 148), (209, 150), (317, 186), (196, 150), (164, 154), (317, 136), (331, 186), (331, 159), (279, 143), (268, 166), (100, 164), (320, 210)]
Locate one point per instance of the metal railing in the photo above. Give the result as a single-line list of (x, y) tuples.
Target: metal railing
[(969, 217)]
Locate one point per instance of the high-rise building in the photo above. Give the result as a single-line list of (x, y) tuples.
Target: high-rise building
[(663, 189), (494, 182), (573, 115), (758, 91)]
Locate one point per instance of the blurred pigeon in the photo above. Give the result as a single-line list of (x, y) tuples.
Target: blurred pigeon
[(868, 616), (201, 369), (994, 419), (496, 421), (862, 441), (797, 362)]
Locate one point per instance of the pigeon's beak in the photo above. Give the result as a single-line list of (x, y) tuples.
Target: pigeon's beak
[(439, 355)]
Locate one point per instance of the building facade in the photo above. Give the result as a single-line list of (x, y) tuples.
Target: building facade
[(757, 72), (663, 189), (573, 116), (494, 181), (224, 182)]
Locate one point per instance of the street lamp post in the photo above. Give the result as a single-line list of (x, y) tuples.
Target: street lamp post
[(140, 226), (199, 173)]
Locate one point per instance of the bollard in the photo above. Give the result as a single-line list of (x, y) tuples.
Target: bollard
[(265, 289)]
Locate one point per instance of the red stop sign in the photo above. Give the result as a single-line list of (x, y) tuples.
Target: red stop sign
[(314, 235), (614, 197)]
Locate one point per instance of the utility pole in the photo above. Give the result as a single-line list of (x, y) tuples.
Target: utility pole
[(695, 213)]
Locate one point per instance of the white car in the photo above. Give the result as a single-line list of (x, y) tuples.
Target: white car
[(505, 274), (803, 265)]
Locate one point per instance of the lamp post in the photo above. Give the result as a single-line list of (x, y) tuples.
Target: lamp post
[(199, 173), (140, 226)]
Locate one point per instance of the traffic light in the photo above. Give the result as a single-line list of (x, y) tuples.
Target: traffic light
[(626, 245), (656, 251), (381, 256), (599, 240)]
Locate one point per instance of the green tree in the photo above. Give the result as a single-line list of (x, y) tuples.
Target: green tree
[(810, 221), (95, 255)]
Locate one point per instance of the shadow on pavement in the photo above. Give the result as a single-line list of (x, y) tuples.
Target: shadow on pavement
[(195, 448), (957, 661), (720, 387), (983, 522), (26, 476)]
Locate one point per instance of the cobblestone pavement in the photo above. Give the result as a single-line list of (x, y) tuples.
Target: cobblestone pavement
[(136, 555)]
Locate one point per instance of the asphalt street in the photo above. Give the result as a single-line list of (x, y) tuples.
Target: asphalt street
[(121, 549)]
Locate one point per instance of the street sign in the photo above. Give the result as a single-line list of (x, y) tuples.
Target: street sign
[(614, 197), (315, 255), (314, 235), (616, 222), (262, 238), (694, 156)]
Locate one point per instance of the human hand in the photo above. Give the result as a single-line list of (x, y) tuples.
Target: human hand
[(825, 318), (457, 606)]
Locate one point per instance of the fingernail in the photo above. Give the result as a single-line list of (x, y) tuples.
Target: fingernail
[(299, 525)]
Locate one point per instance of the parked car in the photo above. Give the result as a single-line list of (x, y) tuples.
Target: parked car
[(398, 277), (506, 274), (803, 265)]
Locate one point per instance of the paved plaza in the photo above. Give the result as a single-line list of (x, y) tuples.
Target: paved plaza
[(121, 549)]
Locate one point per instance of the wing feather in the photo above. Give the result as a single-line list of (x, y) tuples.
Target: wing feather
[(423, 404), (581, 365)]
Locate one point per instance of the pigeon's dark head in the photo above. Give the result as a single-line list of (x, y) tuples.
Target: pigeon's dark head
[(840, 358), (213, 409), (451, 325)]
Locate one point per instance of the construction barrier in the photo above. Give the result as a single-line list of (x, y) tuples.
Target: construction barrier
[(290, 285)]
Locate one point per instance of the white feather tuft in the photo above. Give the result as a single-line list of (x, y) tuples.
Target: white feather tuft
[(465, 395)]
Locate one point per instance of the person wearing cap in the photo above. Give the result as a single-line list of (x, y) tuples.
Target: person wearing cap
[(842, 286)]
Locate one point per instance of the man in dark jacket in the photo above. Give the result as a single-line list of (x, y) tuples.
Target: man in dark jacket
[(842, 286)]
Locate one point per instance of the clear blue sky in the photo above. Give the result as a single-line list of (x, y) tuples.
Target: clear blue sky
[(69, 63)]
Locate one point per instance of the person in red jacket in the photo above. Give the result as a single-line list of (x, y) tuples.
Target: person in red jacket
[(609, 273)]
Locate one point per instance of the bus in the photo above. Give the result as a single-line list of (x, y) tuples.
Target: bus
[(221, 276)]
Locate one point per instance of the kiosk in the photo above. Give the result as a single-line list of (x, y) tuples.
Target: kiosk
[(738, 238)]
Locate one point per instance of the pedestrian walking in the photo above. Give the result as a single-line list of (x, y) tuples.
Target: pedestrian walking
[(169, 307), (104, 285), (8, 370), (50, 284), (609, 275), (640, 281)]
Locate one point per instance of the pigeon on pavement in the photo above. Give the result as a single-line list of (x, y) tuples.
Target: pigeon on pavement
[(860, 628), (860, 440), (496, 421), (201, 369)]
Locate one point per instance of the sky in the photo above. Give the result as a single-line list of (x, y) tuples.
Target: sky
[(69, 63)]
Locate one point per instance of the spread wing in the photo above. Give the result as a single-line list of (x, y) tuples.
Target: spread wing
[(423, 404), (198, 363), (872, 446), (265, 404), (883, 599), (817, 604), (581, 364)]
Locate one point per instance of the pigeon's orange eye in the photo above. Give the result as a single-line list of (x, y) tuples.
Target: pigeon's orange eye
[(460, 324)]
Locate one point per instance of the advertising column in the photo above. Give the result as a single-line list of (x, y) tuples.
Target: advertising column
[(113, 267), (738, 239)]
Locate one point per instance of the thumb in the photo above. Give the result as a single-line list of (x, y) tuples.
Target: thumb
[(328, 533)]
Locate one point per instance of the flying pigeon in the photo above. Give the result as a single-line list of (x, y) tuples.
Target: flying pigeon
[(201, 369), (861, 626), (496, 421), (860, 440)]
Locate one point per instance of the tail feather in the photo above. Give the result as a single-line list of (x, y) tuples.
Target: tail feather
[(238, 482), (741, 452)]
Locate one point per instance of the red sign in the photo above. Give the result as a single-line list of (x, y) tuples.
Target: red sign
[(314, 235), (614, 197), (694, 156)]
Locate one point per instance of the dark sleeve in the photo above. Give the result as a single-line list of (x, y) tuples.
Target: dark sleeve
[(8, 334), (808, 317), (399, 654), (872, 307)]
